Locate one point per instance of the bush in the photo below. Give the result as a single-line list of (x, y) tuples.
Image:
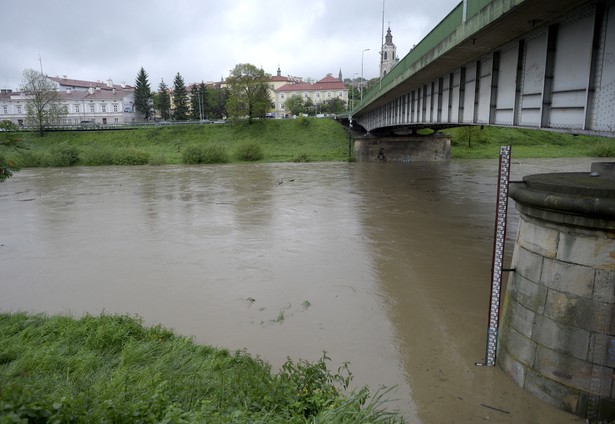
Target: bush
[(303, 157), (62, 156), (204, 153), (8, 125), (302, 121), (130, 156), (249, 151), (99, 157), (125, 156), (604, 150)]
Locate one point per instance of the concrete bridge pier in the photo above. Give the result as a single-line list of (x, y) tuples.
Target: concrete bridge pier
[(557, 335), (406, 148)]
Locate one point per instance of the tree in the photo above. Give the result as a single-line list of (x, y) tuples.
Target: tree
[(334, 105), (198, 101), (248, 92), (295, 104), (44, 105), (143, 94), (180, 99), (163, 101)]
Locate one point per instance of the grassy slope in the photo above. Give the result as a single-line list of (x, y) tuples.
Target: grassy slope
[(112, 369), (287, 140), (526, 143), (280, 140)]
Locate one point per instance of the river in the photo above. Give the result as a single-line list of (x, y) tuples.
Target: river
[(386, 266)]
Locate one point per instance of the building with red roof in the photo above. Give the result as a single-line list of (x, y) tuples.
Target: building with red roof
[(319, 92)]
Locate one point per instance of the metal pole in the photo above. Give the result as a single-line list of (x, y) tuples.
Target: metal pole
[(361, 82)]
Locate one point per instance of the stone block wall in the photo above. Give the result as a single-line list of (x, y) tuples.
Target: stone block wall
[(557, 338), (417, 148)]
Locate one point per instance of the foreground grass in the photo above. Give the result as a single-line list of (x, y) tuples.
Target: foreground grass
[(111, 368)]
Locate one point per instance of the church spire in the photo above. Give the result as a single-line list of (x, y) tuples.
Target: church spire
[(388, 38)]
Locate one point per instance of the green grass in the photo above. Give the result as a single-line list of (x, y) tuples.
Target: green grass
[(299, 140), (277, 141), (110, 368), (474, 143)]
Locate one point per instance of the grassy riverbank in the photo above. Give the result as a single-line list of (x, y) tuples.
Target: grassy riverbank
[(113, 369), (476, 143), (299, 140), (272, 141)]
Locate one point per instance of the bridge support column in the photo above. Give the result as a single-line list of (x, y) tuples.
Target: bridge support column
[(557, 336), (410, 148)]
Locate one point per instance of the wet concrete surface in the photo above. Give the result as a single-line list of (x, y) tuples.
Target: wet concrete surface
[(386, 266)]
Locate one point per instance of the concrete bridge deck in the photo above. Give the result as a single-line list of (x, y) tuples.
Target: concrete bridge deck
[(520, 63)]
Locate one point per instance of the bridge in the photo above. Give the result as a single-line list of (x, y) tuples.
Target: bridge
[(540, 64)]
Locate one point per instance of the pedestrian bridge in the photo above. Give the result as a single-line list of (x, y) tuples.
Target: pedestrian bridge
[(540, 64)]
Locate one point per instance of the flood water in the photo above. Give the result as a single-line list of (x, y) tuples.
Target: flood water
[(386, 266)]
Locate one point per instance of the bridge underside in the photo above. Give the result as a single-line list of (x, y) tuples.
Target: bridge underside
[(531, 64)]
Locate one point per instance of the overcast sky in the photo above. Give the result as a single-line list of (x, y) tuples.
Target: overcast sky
[(204, 39)]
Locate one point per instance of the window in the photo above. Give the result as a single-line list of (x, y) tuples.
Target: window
[(281, 106), (117, 120), (76, 108), (103, 107), (328, 94), (306, 95), (115, 107), (18, 108), (318, 95), (281, 95), (5, 109), (91, 108), (340, 94)]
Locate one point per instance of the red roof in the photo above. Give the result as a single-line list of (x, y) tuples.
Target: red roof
[(328, 83), (68, 82)]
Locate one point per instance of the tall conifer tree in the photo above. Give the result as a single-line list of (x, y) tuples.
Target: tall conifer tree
[(143, 95), (180, 99), (164, 101)]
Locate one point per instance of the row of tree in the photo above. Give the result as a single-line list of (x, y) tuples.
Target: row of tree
[(204, 101), (245, 95)]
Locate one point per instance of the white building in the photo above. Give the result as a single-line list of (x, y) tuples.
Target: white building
[(319, 92), (101, 103)]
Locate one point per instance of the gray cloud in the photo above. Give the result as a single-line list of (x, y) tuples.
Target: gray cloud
[(205, 39)]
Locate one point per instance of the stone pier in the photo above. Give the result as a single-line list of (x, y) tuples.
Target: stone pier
[(408, 148), (557, 334)]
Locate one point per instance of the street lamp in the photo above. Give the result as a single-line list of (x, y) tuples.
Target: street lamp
[(352, 91), (361, 82)]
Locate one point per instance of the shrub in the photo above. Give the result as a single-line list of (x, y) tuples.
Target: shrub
[(303, 157), (130, 156), (30, 159), (98, 157), (249, 151), (204, 153), (62, 156), (302, 121), (604, 150), (158, 160), (8, 125)]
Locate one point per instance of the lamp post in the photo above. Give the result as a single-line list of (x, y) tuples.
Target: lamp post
[(361, 82), (352, 91)]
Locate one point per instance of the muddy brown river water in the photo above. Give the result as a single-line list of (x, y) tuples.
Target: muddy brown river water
[(386, 266)]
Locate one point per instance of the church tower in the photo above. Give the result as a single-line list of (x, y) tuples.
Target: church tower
[(388, 55)]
